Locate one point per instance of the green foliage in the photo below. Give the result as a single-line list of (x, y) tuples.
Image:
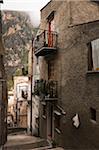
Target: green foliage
[(10, 84), (18, 72)]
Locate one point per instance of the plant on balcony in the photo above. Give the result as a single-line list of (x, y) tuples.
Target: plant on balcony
[(45, 88)]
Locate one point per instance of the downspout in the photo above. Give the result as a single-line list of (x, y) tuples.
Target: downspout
[(31, 80)]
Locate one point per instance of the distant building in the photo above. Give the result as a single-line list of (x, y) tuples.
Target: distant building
[(10, 101), (20, 97), (3, 92), (67, 51), (11, 109)]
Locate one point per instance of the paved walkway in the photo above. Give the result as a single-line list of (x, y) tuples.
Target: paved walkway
[(22, 141)]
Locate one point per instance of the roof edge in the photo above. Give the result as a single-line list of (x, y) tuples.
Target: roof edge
[(46, 5)]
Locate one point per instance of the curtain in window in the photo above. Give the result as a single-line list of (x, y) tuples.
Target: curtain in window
[(95, 54)]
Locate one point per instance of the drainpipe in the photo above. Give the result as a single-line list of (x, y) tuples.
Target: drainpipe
[(31, 81)]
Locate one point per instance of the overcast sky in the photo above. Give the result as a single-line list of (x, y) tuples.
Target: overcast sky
[(32, 6)]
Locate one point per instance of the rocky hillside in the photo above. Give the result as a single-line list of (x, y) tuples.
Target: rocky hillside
[(17, 35)]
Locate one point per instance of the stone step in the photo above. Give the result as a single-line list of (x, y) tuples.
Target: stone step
[(25, 142), (48, 148), (28, 146), (13, 130), (57, 148)]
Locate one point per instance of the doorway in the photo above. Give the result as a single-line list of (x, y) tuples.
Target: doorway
[(50, 121)]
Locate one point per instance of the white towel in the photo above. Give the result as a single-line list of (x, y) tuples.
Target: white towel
[(76, 121)]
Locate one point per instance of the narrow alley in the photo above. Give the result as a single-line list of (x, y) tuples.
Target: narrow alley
[(49, 75), (21, 141)]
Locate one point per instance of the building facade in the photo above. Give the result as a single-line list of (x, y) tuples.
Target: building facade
[(11, 109), (67, 51), (20, 100), (3, 91)]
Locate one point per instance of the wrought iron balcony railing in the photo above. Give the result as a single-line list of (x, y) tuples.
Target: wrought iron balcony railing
[(47, 90), (45, 42)]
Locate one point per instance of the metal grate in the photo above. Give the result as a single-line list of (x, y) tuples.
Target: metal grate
[(45, 38)]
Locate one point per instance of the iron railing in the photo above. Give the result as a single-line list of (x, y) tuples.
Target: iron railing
[(45, 39), (46, 89)]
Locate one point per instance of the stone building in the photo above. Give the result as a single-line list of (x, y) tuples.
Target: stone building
[(11, 109), (20, 100), (3, 92), (67, 51)]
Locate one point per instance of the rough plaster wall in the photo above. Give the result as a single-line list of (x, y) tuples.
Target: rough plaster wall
[(46, 12), (83, 12), (3, 105), (78, 91)]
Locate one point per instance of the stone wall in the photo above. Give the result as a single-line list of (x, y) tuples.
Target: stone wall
[(3, 104), (78, 89)]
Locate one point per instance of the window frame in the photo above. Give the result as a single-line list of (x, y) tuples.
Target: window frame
[(93, 114), (92, 65)]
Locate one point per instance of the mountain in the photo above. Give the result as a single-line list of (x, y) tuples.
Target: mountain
[(17, 33)]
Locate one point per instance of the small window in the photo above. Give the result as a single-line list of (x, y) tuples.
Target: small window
[(93, 114), (51, 16), (93, 55)]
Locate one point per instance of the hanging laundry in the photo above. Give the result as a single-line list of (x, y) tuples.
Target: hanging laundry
[(76, 121)]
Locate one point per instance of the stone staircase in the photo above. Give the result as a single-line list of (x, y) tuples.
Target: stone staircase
[(22, 141), (13, 130), (28, 146)]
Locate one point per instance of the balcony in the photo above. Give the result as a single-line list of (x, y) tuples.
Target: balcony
[(47, 90), (95, 1), (45, 43)]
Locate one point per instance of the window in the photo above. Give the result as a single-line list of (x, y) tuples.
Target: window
[(93, 55), (51, 16), (93, 114)]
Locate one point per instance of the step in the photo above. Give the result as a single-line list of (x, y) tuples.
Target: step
[(48, 148), (57, 148), (14, 130), (28, 145)]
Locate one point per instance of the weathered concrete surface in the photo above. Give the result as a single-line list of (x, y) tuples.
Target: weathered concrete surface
[(21, 141), (78, 89), (24, 141)]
